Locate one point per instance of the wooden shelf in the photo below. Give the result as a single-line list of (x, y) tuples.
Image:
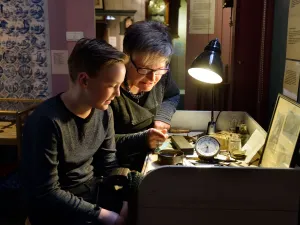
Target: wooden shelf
[(101, 12)]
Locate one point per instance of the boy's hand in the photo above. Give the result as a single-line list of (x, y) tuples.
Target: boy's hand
[(124, 210), (112, 218), (109, 217), (120, 221)]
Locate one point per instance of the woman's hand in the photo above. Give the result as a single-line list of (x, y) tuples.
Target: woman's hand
[(156, 137), (159, 125)]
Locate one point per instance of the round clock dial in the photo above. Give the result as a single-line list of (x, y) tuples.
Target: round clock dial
[(207, 147)]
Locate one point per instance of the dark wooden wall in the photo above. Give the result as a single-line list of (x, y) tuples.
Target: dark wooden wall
[(252, 57)]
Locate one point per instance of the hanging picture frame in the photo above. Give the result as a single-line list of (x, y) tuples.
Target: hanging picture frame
[(99, 4), (282, 144)]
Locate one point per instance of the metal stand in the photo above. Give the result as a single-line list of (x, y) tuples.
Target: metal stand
[(211, 128)]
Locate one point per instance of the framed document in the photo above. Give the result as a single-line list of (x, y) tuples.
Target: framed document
[(282, 143)]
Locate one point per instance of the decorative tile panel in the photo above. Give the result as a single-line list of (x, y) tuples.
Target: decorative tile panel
[(24, 51)]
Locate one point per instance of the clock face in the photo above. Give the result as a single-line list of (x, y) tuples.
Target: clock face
[(207, 147)]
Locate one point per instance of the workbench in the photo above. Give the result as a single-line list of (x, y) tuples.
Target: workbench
[(212, 195), (196, 121)]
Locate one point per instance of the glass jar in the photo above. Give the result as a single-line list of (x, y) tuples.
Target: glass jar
[(243, 133), (234, 143)]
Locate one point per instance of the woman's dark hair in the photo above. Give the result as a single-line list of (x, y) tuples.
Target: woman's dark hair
[(148, 37)]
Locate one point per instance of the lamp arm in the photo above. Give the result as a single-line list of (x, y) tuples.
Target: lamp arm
[(211, 128), (212, 103)]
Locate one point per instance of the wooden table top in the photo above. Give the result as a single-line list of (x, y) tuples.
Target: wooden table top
[(8, 133)]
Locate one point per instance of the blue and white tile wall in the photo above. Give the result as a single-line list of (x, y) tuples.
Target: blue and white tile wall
[(24, 49)]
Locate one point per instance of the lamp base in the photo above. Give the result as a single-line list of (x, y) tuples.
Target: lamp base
[(211, 128)]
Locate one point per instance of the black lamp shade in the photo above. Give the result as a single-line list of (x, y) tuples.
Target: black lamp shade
[(208, 66)]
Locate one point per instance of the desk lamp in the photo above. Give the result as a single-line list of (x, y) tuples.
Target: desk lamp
[(208, 68)]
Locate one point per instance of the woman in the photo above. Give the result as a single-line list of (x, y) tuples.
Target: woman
[(149, 96)]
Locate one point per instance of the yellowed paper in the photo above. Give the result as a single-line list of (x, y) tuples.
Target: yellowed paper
[(59, 61), (121, 38), (253, 145), (291, 79), (112, 40), (202, 17), (293, 37)]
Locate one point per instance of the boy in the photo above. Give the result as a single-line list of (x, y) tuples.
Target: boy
[(68, 143)]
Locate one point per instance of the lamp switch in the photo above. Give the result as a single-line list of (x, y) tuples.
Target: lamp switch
[(211, 128)]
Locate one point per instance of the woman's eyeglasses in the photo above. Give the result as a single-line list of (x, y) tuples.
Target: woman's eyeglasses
[(146, 71)]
